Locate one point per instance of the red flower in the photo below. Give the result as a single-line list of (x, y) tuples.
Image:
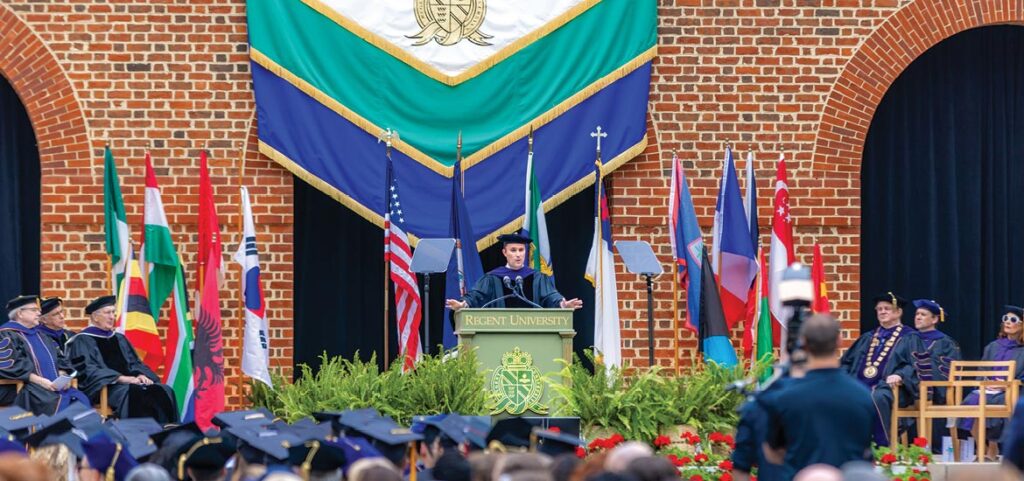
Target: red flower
[(616, 439), (725, 465), (700, 457), (555, 429), (580, 452), (661, 441), (696, 477), (912, 478), (921, 442), (727, 439), (888, 458), (725, 477), (685, 460), (694, 439), (596, 444), (924, 459), (715, 437)]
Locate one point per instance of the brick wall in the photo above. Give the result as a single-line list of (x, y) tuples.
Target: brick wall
[(798, 77)]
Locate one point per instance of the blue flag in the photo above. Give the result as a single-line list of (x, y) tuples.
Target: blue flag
[(714, 334), (687, 243), (465, 268)]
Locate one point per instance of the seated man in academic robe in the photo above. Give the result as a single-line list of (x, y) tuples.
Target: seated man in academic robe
[(52, 323), (108, 359), (882, 359), (932, 364), (32, 358), (514, 285)]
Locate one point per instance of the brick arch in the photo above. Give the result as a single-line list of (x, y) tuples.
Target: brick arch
[(881, 58), (46, 92)]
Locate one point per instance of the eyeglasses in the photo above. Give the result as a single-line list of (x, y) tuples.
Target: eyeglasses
[(1011, 318)]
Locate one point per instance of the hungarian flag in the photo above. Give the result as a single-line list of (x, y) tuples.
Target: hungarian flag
[(687, 243), (534, 225), (256, 339), (601, 274), (208, 356), (115, 222), (737, 264), (158, 257), (781, 249), (820, 304), (714, 334), (137, 322), (178, 350), (754, 294), (465, 267)]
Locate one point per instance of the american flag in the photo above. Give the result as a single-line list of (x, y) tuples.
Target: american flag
[(398, 254)]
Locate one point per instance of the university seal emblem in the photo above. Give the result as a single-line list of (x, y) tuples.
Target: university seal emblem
[(517, 385), (450, 21)]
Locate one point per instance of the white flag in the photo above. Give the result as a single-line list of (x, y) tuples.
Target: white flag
[(255, 343)]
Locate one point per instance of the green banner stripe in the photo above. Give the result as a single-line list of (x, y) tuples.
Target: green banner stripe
[(388, 92)]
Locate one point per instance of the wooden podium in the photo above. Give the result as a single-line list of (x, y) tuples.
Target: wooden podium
[(516, 348)]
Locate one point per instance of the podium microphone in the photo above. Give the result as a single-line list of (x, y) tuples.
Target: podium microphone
[(522, 295), (508, 283)]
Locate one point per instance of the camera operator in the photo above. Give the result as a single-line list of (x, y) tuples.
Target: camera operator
[(826, 416)]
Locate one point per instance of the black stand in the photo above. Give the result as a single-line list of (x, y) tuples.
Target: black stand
[(650, 320), (426, 311)]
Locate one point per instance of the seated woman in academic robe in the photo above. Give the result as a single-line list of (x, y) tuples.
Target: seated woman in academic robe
[(27, 356), (1009, 346), (108, 359)]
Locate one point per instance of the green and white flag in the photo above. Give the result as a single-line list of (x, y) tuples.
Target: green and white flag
[(534, 225), (115, 222), (158, 258)]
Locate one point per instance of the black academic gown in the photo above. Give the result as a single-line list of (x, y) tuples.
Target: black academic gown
[(59, 337), (538, 287), (23, 357), (899, 361), (104, 356), (932, 364)]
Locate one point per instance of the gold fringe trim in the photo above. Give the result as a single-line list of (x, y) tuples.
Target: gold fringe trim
[(485, 152), (561, 108), (571, 190), (329, 102), (326, 188), (431, 71)]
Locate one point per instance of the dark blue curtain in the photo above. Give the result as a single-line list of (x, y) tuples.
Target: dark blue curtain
[(942, 178), (19, 198), (339, 276)]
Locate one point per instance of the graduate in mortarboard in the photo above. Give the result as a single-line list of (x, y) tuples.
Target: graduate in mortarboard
[(932, 364), (502, 287), (105, 460), (106, 358), (1008, 346), (882, 359), (204, 459), (52, 323), (32, 358)]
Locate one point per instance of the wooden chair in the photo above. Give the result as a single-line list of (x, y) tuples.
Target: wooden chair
[(971, 375), (103, 408), (12, 382), (912, 411)]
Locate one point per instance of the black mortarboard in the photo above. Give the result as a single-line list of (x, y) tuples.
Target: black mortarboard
[(514, 239), (932, 307), (191, 429), (511, 432), (348, 419), (206, 453), (453, 426), (135, 434), (18, 421), (308, 432), (552, 443), (108, 457), (317, 456), (891, 298), (389, 438), (146, 425), (100, 303), (48, 304), (22, 301), (1019, 311), (255, 417), (263, 446), (58, 431)]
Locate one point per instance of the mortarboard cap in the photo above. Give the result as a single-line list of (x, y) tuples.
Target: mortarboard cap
[(18, 421), (356, 448), (891, 298), (135, 434), (348, 419), (191, 429), (22, 301), (263, 445), (452, 426), (57, 431), (317, 456), (207, 453), (932, 307), (1009, 309), (99, 303), (255, 417), (514, 239), (476, 430), (386, 431), (108, 457), (48, 304), (552, 443), (511, 432)]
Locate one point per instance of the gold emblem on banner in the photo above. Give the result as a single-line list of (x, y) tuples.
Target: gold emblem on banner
[(450, 21), (517, 384)]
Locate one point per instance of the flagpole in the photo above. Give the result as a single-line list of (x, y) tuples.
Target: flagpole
[(675, 288), (240, 225), (387, 261), (110, 258), (598, 251)]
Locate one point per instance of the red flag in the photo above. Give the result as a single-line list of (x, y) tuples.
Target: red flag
[(208, 356), (208, 256), (781, 249), (398, 253), (820, 305)]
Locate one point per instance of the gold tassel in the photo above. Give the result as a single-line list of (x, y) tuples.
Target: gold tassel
[(113, 461)]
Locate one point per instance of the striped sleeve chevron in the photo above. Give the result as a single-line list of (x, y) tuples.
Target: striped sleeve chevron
[(330, 75)]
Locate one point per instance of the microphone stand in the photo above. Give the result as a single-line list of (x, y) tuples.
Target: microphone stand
[(521, 295)]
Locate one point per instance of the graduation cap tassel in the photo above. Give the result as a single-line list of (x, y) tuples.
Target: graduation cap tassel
[(113, 462), (412, 461)]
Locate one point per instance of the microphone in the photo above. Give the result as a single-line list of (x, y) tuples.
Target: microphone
[(521, 295), (508, 283)]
